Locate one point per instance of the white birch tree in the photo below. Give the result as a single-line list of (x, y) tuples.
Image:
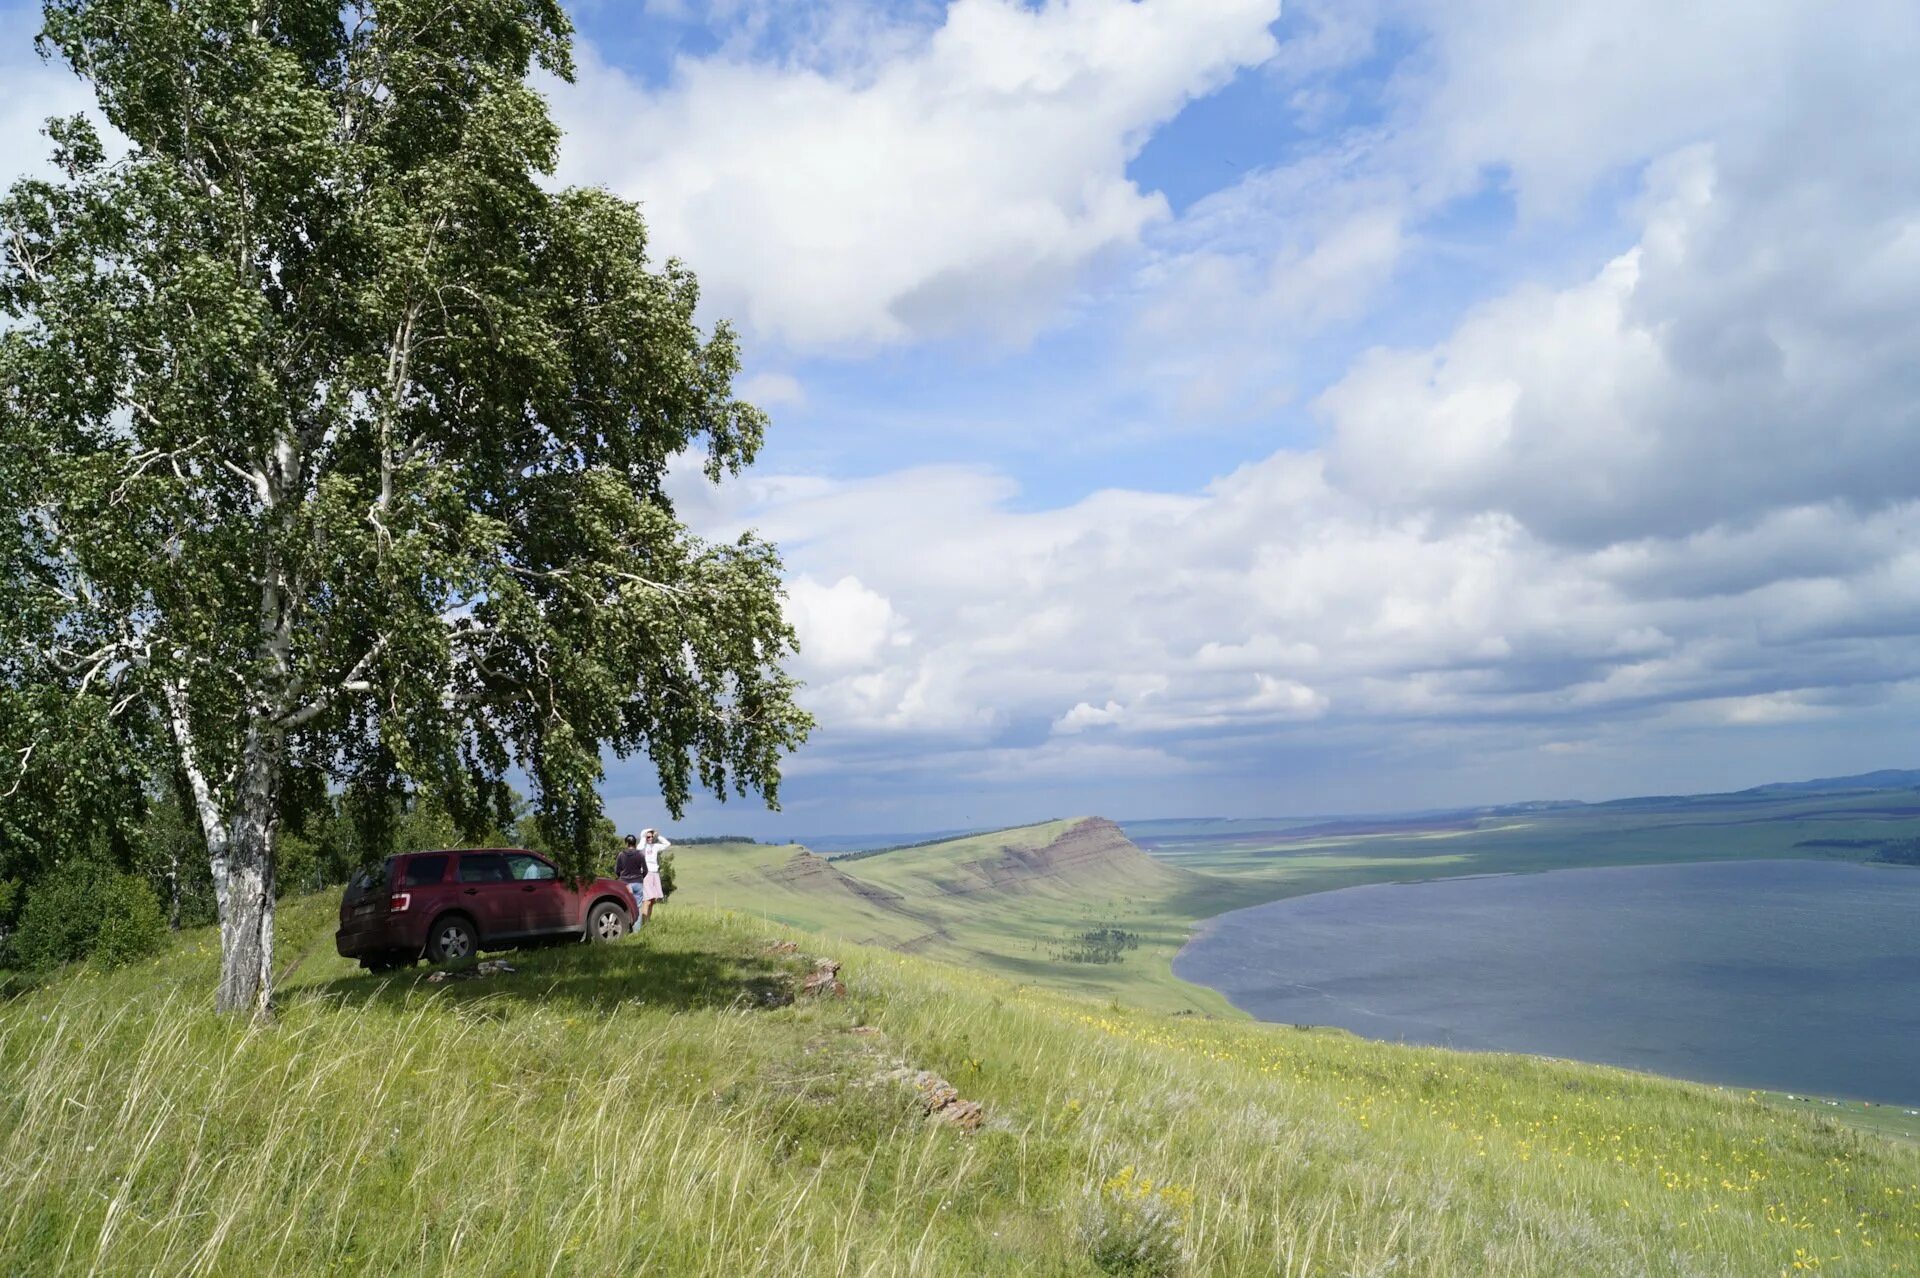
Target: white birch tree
[(334, 440)]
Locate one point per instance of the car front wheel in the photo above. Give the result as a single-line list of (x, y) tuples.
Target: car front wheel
[(606, 922), (451, 940)]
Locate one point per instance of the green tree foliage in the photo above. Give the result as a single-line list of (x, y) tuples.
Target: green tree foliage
[(171, 855), (604, 837), (75, 787), (1098, 945), (335, 445)]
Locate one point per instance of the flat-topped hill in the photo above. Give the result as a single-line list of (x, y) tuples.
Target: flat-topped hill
[(1073, 902), (1064, 857)]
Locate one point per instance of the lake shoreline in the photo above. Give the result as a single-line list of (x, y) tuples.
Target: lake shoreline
[(1216, 956)]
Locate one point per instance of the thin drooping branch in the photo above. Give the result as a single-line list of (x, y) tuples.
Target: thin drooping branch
[(26, 759), (141, 462)]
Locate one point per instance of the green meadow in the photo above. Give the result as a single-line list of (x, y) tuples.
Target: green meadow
[(660, 1106)]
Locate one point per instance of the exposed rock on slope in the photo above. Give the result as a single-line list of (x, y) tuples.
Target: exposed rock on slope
[(805, 871)]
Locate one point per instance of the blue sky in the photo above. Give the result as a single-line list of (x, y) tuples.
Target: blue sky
[(1198, 407), (1209, 408)]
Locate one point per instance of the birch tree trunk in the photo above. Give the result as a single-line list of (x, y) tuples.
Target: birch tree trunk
[(246, 924), (246, 865)]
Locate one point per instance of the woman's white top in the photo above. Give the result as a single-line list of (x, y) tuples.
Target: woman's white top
[(653, 848)]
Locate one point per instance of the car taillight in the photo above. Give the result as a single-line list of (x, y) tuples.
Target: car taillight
[(399, 901)]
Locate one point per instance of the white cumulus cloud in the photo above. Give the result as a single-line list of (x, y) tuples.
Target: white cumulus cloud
[(843, 626), (956, 180)]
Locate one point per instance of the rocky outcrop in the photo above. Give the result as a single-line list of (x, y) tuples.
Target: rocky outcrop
[(805, 871), (824, 980), (939, 1099), (821, 981)]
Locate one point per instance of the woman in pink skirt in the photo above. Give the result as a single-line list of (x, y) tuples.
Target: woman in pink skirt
[(651, 846)]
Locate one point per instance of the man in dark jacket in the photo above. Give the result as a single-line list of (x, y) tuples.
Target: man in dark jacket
[(630, 867)]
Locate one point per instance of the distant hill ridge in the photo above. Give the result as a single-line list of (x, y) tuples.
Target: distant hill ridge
[(1170, 828), (1062, 857), (923, 898), (1884, 779)]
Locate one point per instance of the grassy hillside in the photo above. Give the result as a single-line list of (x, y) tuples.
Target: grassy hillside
[(1018, 902), (656, 1107)]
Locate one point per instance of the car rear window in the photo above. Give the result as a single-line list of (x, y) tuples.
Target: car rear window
[(483, 867), (366, 881), (422, 870)]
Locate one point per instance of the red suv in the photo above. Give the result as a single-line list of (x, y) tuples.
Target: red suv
[(449, 905)]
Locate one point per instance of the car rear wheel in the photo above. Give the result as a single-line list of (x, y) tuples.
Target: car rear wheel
[(606, 922), (451, 940)]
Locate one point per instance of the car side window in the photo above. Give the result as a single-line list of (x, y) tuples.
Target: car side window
[(424, 870), (483, 867), (530, 867)]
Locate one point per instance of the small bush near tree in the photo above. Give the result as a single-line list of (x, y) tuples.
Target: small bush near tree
[(115, 918), (129, 922), (58, 923)]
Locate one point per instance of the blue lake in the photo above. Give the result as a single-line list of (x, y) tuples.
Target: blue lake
[(1797, 975)]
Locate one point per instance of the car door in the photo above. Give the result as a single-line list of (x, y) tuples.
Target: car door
[(545, 904), (486, 888)]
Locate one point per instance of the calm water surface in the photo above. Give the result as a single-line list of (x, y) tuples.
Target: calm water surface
[(1798, 975)]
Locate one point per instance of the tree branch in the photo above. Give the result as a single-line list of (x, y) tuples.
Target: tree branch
[(26, 757), (255, 479), (353, 681), (205, 801)]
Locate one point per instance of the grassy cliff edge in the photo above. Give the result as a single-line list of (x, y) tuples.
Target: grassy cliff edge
[(659, 1104)]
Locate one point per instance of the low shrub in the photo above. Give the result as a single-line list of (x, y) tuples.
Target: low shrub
[(68, 917), (131, 925), (58, 923), (1137, 1228)]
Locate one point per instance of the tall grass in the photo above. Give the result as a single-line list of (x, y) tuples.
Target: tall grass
[(647, 1107)]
